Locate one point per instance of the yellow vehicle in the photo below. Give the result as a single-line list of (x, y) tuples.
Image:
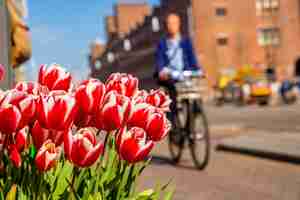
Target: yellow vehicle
[(224, 89), (254, 85), (261, 91)]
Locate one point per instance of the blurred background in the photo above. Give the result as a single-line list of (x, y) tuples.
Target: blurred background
[(249, 50)]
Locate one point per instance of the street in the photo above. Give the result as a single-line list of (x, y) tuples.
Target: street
[(234, 176)]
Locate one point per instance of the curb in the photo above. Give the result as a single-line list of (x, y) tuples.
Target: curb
[(259, 153)]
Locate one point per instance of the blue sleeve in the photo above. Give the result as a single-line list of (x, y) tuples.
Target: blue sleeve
[(160, 57), (192, 59)]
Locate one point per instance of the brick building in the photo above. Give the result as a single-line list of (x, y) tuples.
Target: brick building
[(226, 34), (134, 52), (231, 33), (110, 27), (126, 18)]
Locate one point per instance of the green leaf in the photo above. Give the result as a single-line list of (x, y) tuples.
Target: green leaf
[(169, 194), (32, 152), (146, 193), (12, 194), (63, 172)]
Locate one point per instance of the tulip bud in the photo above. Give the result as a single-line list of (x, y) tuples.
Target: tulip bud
[(21, 139), (55, 78), (90, 95), (41, 135), (47, 156), (56, 111), (132, 145), (139, 115), (114, 112), (124, 84), (10, 118), (32, 88), (140, 97), (159, 99), (82, 149), (157, 126), (17, 103), (15, 156)]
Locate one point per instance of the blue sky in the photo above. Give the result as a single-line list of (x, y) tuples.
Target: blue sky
[(62, 30)]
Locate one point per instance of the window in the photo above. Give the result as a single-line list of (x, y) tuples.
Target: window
[(98, 65), (269, 36), (155, 24), (222, 41), (127, 45), (266, 7), (221, 11), (110, 57)]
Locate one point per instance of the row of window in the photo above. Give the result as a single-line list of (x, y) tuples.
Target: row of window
[(263, 7), (265, 37)]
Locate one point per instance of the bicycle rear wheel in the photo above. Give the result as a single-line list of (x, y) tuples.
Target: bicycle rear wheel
[(176, 136), (199, 140)]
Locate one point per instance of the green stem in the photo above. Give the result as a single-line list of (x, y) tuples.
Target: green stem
[(75, 173)]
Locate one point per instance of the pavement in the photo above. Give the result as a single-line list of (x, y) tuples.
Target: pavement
[(282, 147), (231, 175)]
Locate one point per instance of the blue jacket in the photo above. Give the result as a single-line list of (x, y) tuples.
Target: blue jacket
[(190, 60)]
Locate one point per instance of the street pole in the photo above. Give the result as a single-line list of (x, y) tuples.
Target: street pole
[(5, 46)]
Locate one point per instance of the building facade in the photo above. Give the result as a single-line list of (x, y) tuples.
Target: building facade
[(225, 33), (134, 52), (231, 33), (4, 46), (126, 18)]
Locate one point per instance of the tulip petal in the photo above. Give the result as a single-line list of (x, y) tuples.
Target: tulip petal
[(10, 118), (21, 139), (15, 156), (39, 135), (68, 143), (93, 155), (144, 151)]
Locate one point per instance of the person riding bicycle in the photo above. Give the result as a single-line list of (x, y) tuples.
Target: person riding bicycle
[(175, 54)]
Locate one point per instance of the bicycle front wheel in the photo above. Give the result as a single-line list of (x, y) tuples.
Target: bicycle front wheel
[(199, 137), (177, 135)]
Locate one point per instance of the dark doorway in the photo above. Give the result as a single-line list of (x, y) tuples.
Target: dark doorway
[(297, 68)]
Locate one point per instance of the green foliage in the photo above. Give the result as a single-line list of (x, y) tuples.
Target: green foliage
[(110, 179)]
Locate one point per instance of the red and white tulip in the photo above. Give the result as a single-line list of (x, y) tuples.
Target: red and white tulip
[(15, 156), (56, 111), (158, 126), (124, 84), (133, 145), (139, 115), (159, 99), (14, 104), (32, 88), (21, 139), (41, 135), (114, 112), (140, 96), (90, 95), (55, 78), (82, 149), (47, 156)]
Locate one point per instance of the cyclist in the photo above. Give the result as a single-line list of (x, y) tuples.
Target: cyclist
[(175, 54)]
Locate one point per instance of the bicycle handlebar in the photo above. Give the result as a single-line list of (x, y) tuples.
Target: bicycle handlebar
[(180, 76)]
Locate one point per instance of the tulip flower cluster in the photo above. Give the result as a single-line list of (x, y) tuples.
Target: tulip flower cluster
[(58, 121), (54, 114)]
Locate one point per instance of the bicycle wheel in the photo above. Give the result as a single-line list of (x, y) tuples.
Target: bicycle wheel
[(199, 140), (176, 136)]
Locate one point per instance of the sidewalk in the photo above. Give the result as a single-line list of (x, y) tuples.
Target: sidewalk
[(280, 146)]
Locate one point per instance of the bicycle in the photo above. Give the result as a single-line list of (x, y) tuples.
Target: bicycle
[(190, 123)]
